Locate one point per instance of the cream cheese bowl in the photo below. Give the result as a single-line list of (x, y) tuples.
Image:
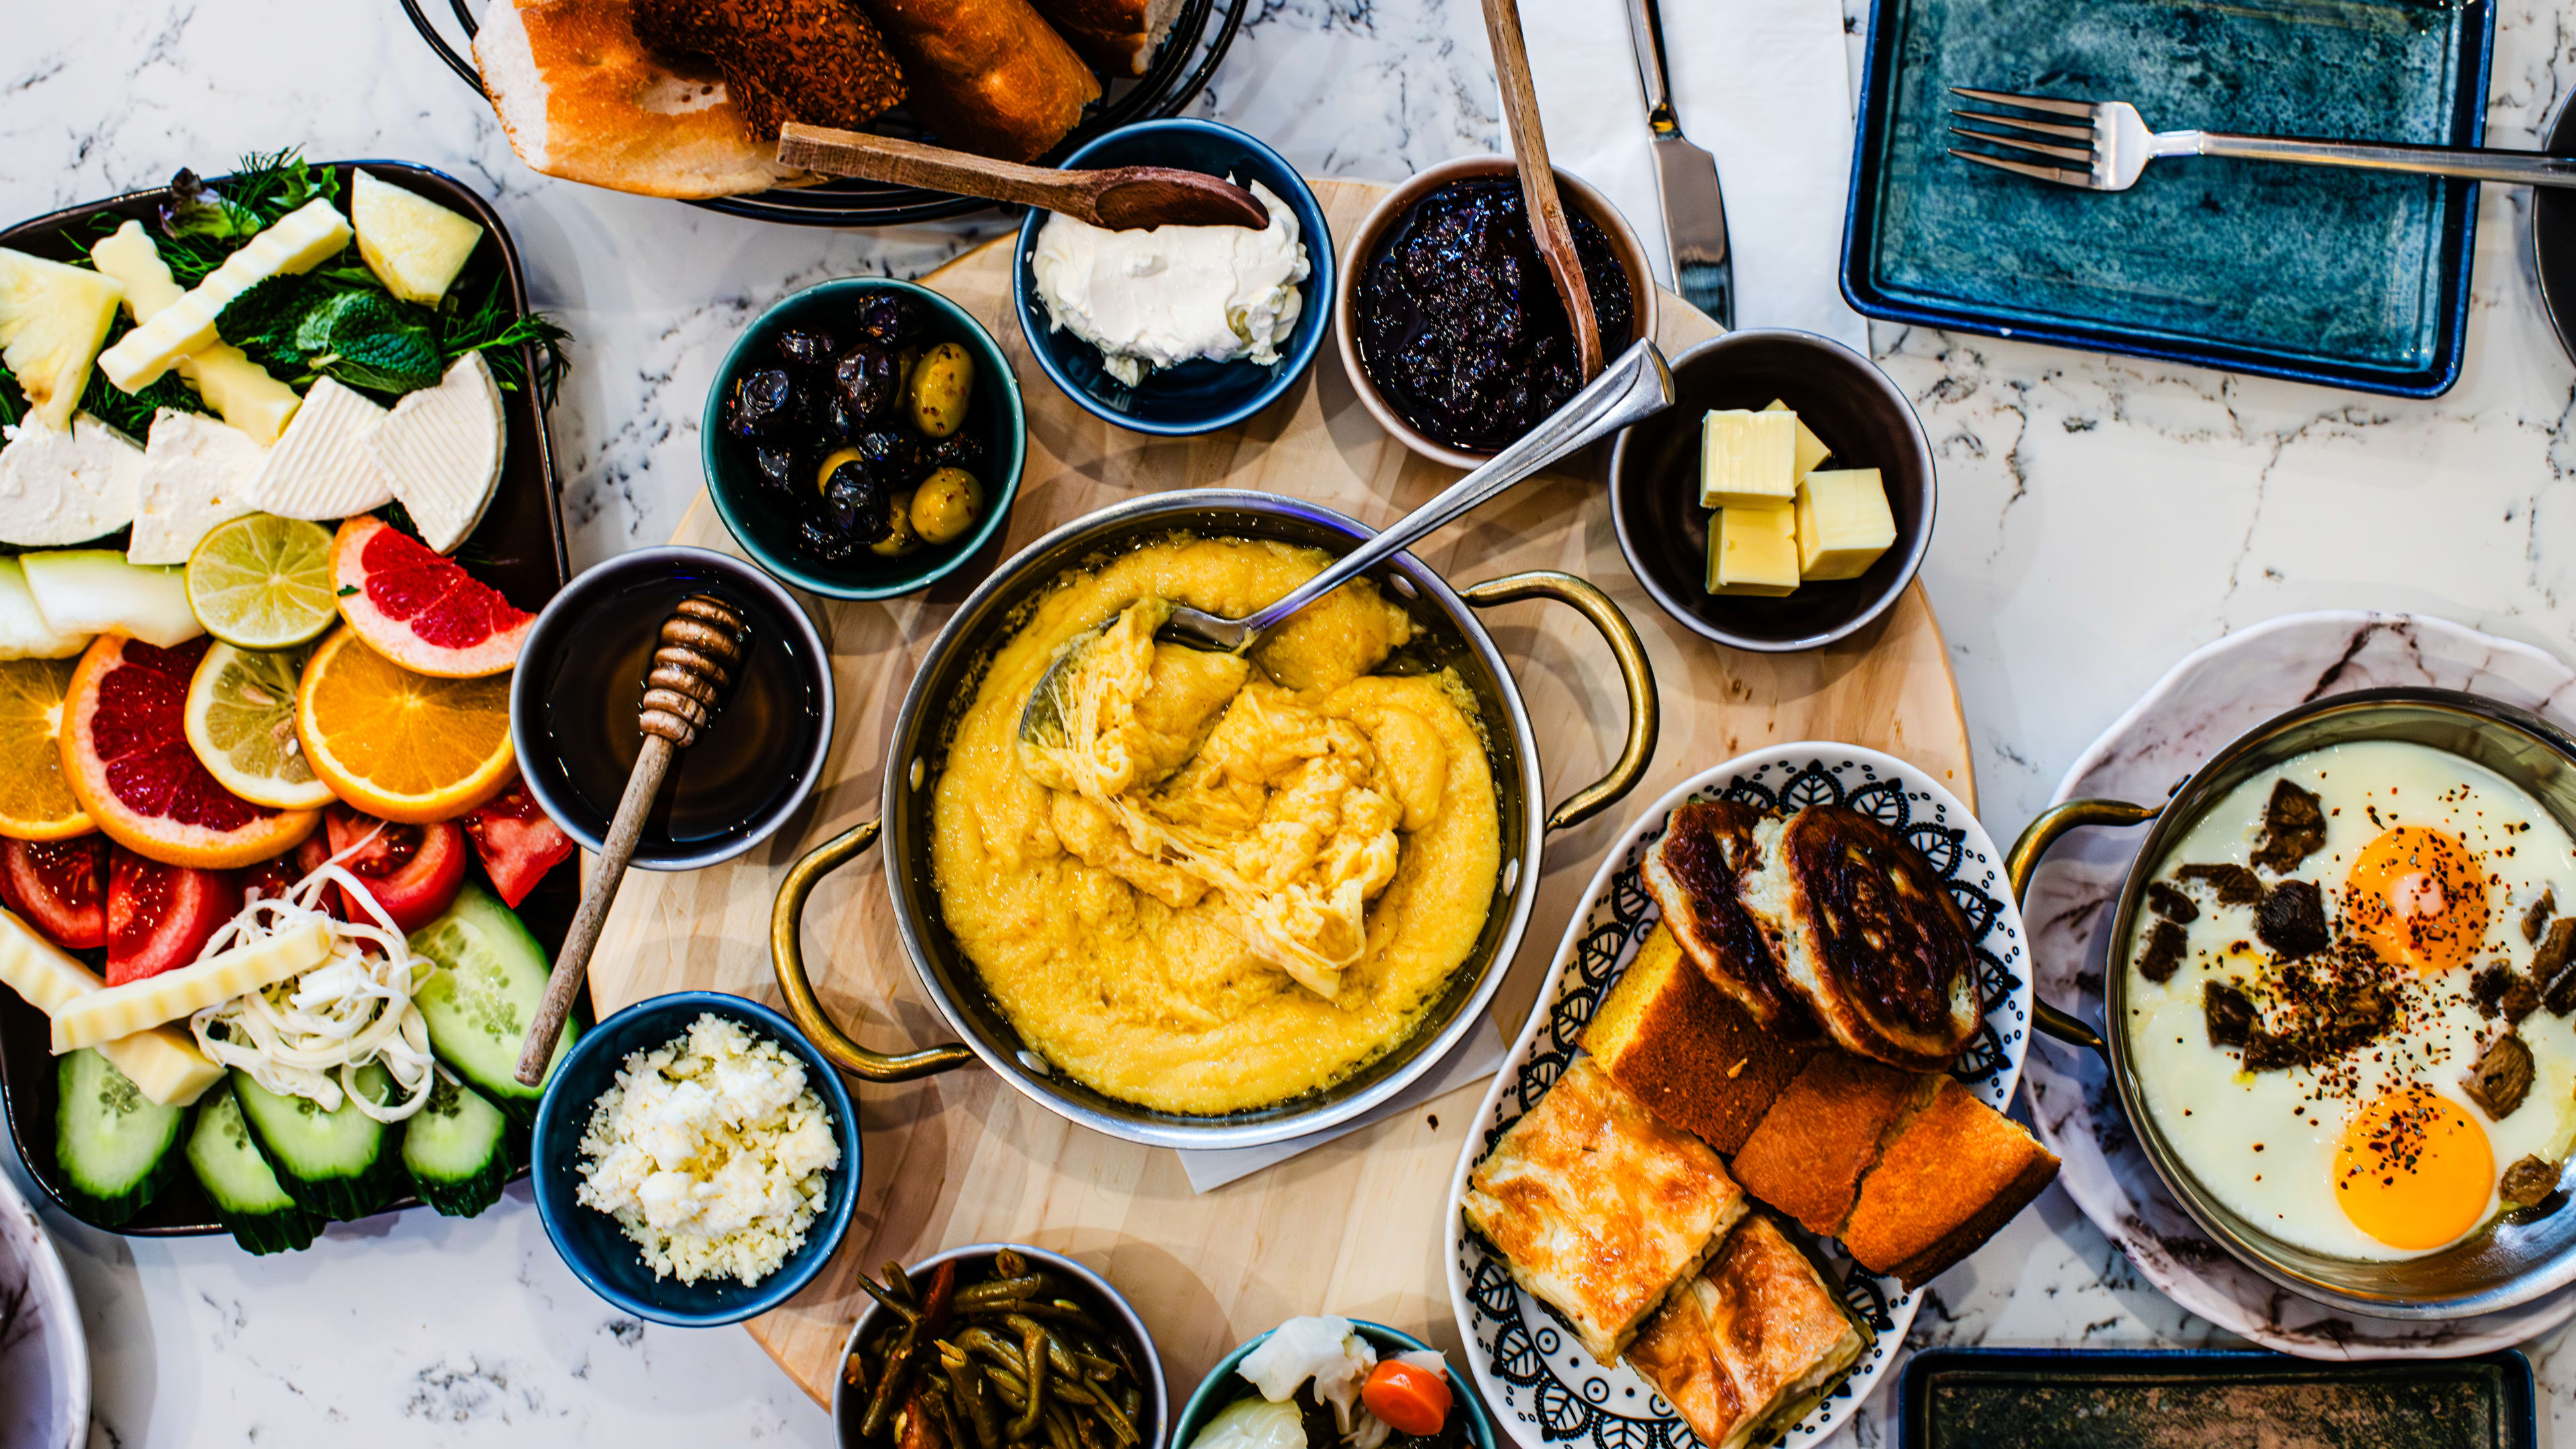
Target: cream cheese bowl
[(2516, 1257), (1450, 635)]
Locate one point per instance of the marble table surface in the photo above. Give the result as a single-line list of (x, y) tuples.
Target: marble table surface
[(2100, 517)]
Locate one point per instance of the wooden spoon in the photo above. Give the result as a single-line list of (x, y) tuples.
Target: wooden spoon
[(1538, 180), (1122, 198)]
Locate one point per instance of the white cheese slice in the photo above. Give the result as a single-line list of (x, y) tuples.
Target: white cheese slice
[(68, 485), (117, 1011), (414, 245), (197, 472), (300, 241), (233, 385), (24, 634), (322, 468), (163, 1061), (442, 448)]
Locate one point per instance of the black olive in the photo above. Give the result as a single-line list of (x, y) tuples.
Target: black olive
[(857, 502), (959, 449), (890, 318), (893, 453), (777, 467), (762, 403), (834, 421), (828, 547), (867, 378), (807, 349)]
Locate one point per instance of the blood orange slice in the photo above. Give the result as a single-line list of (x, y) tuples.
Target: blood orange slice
[(420, 610), (126, 755)]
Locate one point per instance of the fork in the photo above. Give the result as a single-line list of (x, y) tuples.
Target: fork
[(2110, 146)]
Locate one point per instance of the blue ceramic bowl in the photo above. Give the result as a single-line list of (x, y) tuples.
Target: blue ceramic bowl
[(590, 1241), (1223, 1386), (1198, 396), (766, 527)]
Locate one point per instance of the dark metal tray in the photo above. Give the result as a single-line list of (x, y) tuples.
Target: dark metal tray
[(518, 548), (1973, 1398)]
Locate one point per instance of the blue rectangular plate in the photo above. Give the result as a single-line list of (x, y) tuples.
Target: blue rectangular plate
[(2343, 278)]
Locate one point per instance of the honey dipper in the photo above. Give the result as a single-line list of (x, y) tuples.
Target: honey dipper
[(701, 651)]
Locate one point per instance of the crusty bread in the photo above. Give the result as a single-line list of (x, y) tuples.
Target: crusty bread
[(816, 61), (1809, 1153), (1751, 1343), (1688, 1051), (1866, 932), (1597, 1208), (987, 76), (581, 98), (1950, 1176), (1698, 873), (1118, 37)]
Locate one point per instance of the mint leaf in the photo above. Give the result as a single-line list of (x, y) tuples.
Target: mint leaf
[(396, 362)]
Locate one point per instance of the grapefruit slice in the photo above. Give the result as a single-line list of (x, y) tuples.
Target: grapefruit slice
[(126, 756), (420, 610)]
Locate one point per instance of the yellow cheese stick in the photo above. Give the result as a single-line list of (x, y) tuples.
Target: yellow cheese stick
[(123, 1010), (233, 385), (164, 1061), (298, 242)]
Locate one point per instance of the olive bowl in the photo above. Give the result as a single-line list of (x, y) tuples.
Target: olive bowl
[(764, 523)]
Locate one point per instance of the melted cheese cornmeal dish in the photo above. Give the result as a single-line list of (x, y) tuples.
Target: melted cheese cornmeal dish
[(1232, 881)]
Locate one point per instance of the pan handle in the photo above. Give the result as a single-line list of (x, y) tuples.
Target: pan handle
[(787, 958), (1645, 718), (2022, 861)]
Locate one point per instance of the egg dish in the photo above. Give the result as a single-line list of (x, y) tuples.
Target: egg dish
[(2349, 1000)]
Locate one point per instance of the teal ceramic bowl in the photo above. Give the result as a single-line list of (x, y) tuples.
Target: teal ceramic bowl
[(590, 1241), (1223, 1386), (765, 525)]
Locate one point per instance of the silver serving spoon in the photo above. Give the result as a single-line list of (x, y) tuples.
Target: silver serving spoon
[(1635, 385)]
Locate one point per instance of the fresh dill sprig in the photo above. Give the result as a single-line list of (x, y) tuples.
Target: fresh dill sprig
[(492, 329)]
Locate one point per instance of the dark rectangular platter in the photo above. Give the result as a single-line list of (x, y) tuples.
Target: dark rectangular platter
[(1979, 1398), (518, 548)]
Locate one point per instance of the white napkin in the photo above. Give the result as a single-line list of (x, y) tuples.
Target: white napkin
[(1475, 1060), (1765, 85)]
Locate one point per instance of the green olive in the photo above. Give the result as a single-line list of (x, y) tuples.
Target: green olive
[(903, 540), (832, 461), (946, 505), (941, 387)]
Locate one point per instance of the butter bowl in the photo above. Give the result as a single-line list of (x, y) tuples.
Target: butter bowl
[(1200, 395)]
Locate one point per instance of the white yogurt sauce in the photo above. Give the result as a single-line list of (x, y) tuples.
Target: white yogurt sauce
[(1154, 298)]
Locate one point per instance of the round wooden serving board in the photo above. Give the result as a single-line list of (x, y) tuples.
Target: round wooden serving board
[(1356, 1227)]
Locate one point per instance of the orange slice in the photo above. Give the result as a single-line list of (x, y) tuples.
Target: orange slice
[(36, 803), (400, 745)]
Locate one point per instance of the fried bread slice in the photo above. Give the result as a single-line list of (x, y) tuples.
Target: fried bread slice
[(1949, 1177), (1752, 1342), (1696, 874), (1810, 1151), (1688, 1050)]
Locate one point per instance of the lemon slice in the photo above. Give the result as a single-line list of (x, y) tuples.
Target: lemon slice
[(264, 582), (240, 722)]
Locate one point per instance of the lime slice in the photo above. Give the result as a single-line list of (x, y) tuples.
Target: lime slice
[(241, 725), (264, 582)]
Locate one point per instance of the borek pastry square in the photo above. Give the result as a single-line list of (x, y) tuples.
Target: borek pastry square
[(1747, 1346)]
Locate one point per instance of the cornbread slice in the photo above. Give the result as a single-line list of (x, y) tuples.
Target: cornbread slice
[(1949, 1177), (1597, 1208), (1810, 1151), (1751, 1343), (1694, 1057)]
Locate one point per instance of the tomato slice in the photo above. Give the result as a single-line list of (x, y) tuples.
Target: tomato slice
[(518, 842), (59, 887), (1407, 1398), (413, 871), (159, 916)]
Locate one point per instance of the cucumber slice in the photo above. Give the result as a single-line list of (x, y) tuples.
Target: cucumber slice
[(246, 1195), (491, 974), (457, 1150), (332, 1163), (112, 1141)]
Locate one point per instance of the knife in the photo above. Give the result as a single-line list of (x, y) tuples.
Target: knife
[(1686, 180)]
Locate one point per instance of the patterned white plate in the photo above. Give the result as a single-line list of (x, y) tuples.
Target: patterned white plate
[(1544, 1388), (2207, 700)]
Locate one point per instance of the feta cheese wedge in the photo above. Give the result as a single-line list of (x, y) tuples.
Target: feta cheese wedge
[(442, 448), (197, 472), (414, 245), (300, 241), (24, 634), (64, 486), (233, 385), (321, 468)]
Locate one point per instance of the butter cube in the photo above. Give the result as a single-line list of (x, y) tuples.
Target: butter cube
[(1811, 449), (1844, 523), (1753, 550), (1748, 459)]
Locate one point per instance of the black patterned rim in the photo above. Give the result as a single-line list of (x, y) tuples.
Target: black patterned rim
[(1548, 1380)]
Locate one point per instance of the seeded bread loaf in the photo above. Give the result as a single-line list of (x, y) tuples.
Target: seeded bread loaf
[(987, 76)]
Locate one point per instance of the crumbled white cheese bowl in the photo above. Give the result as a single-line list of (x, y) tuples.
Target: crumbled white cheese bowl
[(712, 1153)]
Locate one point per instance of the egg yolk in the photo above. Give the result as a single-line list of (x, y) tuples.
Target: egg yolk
[(2415, 895), (2413, 1171)]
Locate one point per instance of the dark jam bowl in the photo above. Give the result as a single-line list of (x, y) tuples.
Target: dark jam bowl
[(765, 525), (1376, 229), (749, 769)]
